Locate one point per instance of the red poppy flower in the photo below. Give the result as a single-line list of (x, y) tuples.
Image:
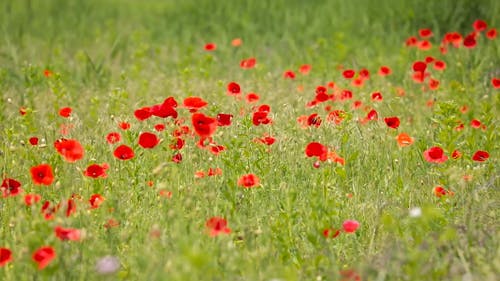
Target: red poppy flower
[(412, 41), (252, 97), (261, 115), (193, 104), (43, 256), (65, 234), (165, 109), (224, 119), (204, 126), (305, 69), (217, 226), (480, 156), (453, 38), (425, 33), (248, 63), (5, 256), (491, 34), (479, 25), (33, 141), (404, 139), (148, 140), (364, 74), (113, 137), (30, 199), (47, 73), (456, 154), (177, 144), (357, 104), (318, 150), (377, 96), (348, 74), (384, 71), (123, 152), (357, 82), (96, 200), (433, 84), (10, 187), (336, 116), (419, 66), (495, 82), (350, 226), (248, 181), (159, 127), (470, 41), (96, 171), (177, 158), (439, 65), (345, 95), (439, 191), (143, 113), (65, 112), (429, 59), (314, 120), (124, 125), (216, 149), (475, 123), (210, 47), (435, 155), (233, 89), (392, 122), (236, 42), (331, 233), (424, 45), (70, 150), (42, 174), (372, 115), (289, 74)]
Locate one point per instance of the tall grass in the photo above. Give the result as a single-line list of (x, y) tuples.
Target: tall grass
[(110, 58)]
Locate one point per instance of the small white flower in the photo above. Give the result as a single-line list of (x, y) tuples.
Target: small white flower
[(415, 212)]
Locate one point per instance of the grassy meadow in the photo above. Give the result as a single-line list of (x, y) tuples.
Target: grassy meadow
[(395, 178)]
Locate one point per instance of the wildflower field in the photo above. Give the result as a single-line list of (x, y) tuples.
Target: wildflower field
[(249, 140)]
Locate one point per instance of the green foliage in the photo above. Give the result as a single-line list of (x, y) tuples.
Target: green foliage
[(111, 57)]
